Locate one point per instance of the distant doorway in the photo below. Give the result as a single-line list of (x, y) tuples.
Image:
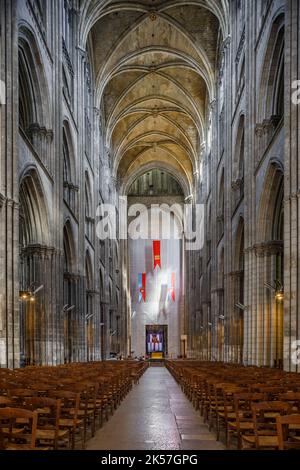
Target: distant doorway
[(156, 341)]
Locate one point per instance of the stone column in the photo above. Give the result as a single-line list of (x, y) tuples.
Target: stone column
[(250, 270), (258, 330), (263, 339), (38, 268), (9, 187), (124, 297), (235, 319), (291, 187)]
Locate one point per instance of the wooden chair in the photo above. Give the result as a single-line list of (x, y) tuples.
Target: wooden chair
[(264, 416), (14, 438), (17, 395), (48, 430), (225, 412), (70, 403), (288, 432), (293, 398), (243, 422), (5, 401)]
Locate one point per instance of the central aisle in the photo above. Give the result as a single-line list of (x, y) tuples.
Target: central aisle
[(155, 415)]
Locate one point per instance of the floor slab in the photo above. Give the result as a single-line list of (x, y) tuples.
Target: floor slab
[(155, 415)]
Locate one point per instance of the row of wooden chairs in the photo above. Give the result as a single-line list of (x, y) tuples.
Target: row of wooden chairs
[(61, 407), (257, 408)]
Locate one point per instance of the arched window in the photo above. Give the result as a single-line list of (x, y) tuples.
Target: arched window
[(89, 306), (221, 202), (221, 195), (221, 268), (33, 89), (69, 263), (278, 230), (87, 192), (278, 274), (88, 107), (67, 250), (102, 286), (278, 100), (240, 149), (33, 233), (89, 219), (220, 293), (116, 254), (238, 165), (89, 284), (110, 293), (70, 188), (237, 332), (69, 293), (27, 98), (67, 162), (270, 232), (208, 228), (34, 104), (34, 222), (271, 93)]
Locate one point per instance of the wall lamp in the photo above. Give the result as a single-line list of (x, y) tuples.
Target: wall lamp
[(29, 295), (24, 295), (279, 296), (89, 315), (240, 306), (277, 288), (67, 308)]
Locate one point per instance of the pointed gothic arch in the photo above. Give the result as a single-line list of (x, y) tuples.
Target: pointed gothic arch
[(34, 222), (34, 238), (34, 102), (271, 89), (270, 201)]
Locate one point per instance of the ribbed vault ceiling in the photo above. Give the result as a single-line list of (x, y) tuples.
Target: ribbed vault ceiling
[(155, 73)]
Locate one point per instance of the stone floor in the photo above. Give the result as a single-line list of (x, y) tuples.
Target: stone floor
[(155, 415)]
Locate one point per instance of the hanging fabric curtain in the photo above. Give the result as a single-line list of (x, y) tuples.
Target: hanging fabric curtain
[(156, 253), (171, 289), (142, 286)]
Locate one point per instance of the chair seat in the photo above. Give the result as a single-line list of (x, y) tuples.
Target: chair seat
[(5, 401), (263, 441), (91, 406), (100, 403), (50, 433), (84, 412), (24, 447), (14, 431), (69, 422), (244, 425), (22, 421), (271, 415), (43, 411), (295, 427), (228, 415)]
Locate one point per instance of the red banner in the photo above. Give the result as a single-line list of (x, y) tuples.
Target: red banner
[(173, 287), (142, 286), (156, 253)]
